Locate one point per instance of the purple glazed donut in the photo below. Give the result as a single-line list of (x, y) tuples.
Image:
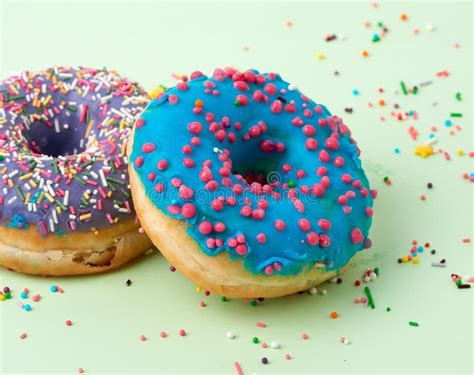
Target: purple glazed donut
[(65, 205)]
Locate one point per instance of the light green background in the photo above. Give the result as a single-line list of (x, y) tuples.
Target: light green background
[(148, 41)]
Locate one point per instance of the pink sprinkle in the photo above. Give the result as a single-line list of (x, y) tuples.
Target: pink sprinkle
[(238, 368), (264, 345), (261, 324), (279, 225), (182, 332), (356, 236), (143, 337), (305, 336), (205, 227), (80, 370), (188, 210), (23, 336), (288, 356), (68, 323), (148, 147), (466, 240), (163, 334), (36, 298)]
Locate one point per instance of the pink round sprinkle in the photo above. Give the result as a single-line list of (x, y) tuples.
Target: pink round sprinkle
[(36, 298), (148, 147), (182, 332), (23, 336), (80, 370), (143, 337), (163, 334), (305, 336), (68, 323), (288, 356)]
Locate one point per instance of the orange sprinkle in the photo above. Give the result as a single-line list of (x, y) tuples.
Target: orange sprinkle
[(403, 17), (198, 103), (381, 102), (334, 315), (365, 53)]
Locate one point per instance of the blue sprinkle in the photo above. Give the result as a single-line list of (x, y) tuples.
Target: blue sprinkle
[(53, 288), (420, 248), (448, 122), (27, 307), (397, 150), (431, 135), (410, 113), (24, 295), (355, 92)]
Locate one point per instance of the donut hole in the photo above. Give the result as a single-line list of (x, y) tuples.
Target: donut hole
[(60, 139), (253, 165)]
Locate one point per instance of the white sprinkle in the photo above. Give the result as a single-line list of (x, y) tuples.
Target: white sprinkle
[(323, 292), (102, 177), (312, 291), (56, 125), (275, 345), (373, 276), (292, 87), (333, 280), (12, 199), (366, 279), (230, 335), (66, 198)]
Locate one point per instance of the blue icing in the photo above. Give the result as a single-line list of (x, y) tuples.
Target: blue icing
[(287, 251), (18, 221)]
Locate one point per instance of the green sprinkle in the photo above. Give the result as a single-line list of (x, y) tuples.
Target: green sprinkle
[(369, 297), (60, 204), (388, 309), (255, 340), (456, 114), (19, 193), (82, 182), (224, 299), (2, 157), (292, 183), (71, 108), (404, 88), (458, 96), (115, 181), (415, 90), (85, 165), (458, 282), (237, 103), (54, 164), (253, 303), (413, 324), (380, 24), (376, 270), (385, 179)]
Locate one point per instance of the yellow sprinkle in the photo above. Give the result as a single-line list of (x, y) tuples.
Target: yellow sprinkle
[(85, 216), (40, 198), (45, 103), (32, 183), (460, 152), (416, 260), (13, 88), (156, 91), (27, 198), (10, 183), (405, 259), (89, 127), (49, 197), (109, 194), (424, 151), (4, 170), (2, 297), (26, 176), (198, 289), (320, 56)]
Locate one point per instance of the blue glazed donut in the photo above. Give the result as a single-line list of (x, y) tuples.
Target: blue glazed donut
[(258, 172)]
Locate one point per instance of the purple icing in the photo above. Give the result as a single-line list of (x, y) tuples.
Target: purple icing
[(63, 137)]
